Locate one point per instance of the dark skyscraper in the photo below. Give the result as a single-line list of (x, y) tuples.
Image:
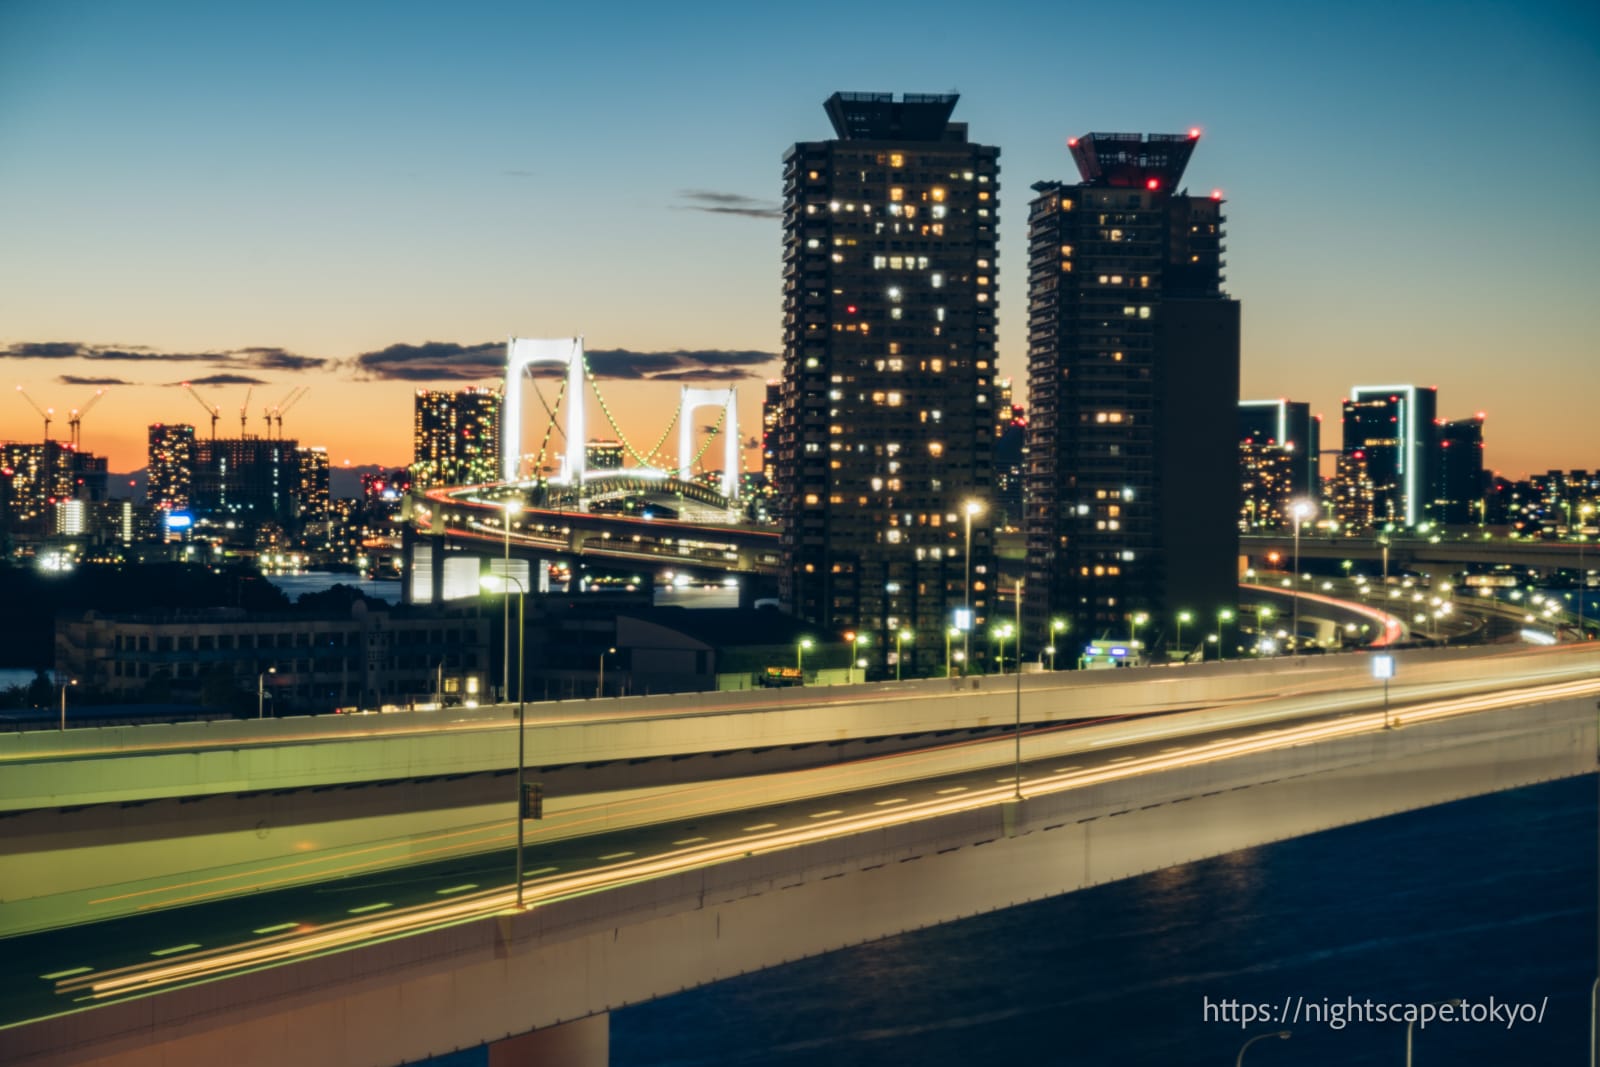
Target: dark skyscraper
[(170, 466), (1133, 359), (455, 437), (1462, 480), (886, 427), (1393, 425), (1289, 426)]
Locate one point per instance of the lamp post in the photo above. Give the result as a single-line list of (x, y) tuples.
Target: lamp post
[(510, 507), (1583, 576), (1001, 634), (799, 657), (1017, 733), (949, 634), (1224, 615), (1239, 1060), (1183, 617), (968, 510), (1057, 628), (1263, 613), (600, 678), (261, 692), (522, 596), (65, 682), (1136, 620), (1453, 1002), (1299, 509), (899, 638)]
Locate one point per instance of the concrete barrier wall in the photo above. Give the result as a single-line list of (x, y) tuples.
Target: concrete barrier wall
[(482, 981), (123, 764)]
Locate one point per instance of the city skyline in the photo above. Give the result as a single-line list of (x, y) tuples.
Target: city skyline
[(382, 218)]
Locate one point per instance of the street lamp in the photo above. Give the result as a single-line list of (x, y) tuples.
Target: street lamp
[(1453, 1001), (1183, 617), (1583, 576), (522, 726), (1000, 634), (65, 682), (1263, 613), (968, 510), (1136, 620), (1239, 1060), (261, 692), (903, 635), (949, 633), (1057, 628), (799, 657), (855, 641), (1299, 509), (600, 678), (510, 507), (1224, 615)]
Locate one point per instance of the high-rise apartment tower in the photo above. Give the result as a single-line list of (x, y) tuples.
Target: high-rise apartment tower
[(885, 427), (1133, 384)]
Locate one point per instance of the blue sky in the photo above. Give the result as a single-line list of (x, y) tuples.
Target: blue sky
[(1409, 188)]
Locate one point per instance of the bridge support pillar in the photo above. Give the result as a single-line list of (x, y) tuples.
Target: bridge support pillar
[(580, 1043)]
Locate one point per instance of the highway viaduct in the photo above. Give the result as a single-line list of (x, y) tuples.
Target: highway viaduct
[(776, 894)]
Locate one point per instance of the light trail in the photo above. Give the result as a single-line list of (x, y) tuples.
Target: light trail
[(205, 965)]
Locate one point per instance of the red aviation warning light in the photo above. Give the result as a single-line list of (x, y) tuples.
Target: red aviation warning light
[(1216, 194), (1153, 183), (1194, 133), (1072, 142)]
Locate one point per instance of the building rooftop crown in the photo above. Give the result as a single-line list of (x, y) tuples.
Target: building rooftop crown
[(880, 117)]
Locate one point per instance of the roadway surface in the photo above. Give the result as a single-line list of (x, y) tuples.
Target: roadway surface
[(695, 826)]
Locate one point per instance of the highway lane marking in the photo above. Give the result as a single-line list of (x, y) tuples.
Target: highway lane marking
[(456, 889), (541, 870), (886, 803), (278, 929), (825, 814), (952, 789), (616, 856), (174, 949), (690, 841), (1174, 748), (760, 826), (1123, 759), (66, 974), (370, 907), (1008, 779), (1064, 770)]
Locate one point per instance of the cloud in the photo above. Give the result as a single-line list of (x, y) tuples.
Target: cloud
[(223, 379), (276, 359), (258, 358), (78, 379), (448, 361), (679, 364), (716, 203), (433, 361)]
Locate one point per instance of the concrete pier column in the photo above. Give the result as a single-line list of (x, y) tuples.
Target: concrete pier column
[(581, 1043)]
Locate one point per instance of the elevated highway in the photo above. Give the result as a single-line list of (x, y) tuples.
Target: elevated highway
[(788, 870)]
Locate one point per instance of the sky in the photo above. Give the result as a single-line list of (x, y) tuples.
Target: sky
[(367, 198)]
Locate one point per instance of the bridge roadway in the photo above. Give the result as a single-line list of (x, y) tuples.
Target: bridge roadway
[(1444, 555), (322, 975), (110, 821)]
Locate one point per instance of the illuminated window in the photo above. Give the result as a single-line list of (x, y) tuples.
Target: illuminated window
[(936, 449), (812, 498), (938, 193), (897, 194)]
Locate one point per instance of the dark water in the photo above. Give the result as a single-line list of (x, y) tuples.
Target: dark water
[(1488, 897), (1492, 897)]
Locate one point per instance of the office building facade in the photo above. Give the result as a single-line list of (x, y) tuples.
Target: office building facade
[(1393, 426), (1133, 351), (1462, 479), (885, 422), (169, 466), (1289, 426), (455, 437)]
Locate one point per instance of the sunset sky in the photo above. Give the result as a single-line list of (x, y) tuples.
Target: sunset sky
[(365, 198)]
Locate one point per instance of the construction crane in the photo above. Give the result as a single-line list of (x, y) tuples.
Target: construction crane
[(215, 413), (45, 413), (244, 410), (76, 422), (288, 402)]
